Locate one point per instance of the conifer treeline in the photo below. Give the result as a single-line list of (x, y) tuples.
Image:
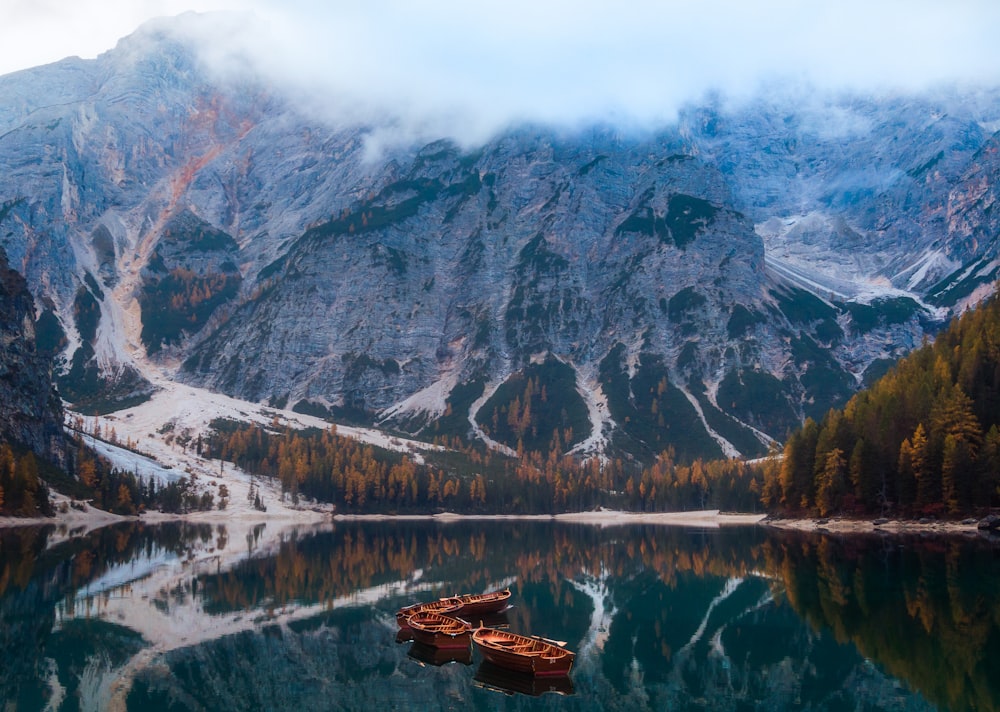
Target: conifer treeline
[(922, 440), (122, 492), (87, 477), (359, 477)]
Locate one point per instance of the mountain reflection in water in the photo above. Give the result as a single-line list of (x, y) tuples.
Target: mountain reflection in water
[(197, 617)]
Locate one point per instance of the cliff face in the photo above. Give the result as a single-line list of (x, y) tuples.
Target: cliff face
[(704, 287), (855, 190), (30, 410), (467, 267)]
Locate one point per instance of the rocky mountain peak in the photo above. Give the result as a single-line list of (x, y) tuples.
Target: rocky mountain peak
[(702, 287)]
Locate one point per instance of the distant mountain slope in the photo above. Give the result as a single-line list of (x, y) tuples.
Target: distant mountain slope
[(30, 411), (925, 438), (703, 288)]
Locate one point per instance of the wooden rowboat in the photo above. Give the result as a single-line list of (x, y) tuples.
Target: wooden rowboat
[(480, 604), (442, 605), (439, 631), (466, 606), (521, 653)]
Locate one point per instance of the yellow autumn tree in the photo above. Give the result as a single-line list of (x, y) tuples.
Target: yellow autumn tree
[(124, 498), (87, 472)]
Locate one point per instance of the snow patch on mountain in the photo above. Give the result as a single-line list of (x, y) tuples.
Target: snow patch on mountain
[(136, 463), (978, 295), (824, 255), (712, 393), (431, 401), (927, 267), (474, 409), (187, 408), (601, 422), (835, 276), (728, 449)]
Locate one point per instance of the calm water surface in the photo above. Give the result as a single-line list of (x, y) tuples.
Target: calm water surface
[(206, 617)]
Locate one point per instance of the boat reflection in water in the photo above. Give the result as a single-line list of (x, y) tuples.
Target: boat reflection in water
[(491, 620), (429, 655), (493, 677)]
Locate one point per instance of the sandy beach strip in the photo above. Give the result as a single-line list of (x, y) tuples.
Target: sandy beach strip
[(77, 523)]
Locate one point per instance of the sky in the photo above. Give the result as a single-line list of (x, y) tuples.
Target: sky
[(483, 65)]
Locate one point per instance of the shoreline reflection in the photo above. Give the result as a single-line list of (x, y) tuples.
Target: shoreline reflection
[(662, 617)]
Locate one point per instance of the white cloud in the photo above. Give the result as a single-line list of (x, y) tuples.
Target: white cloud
[(466, 68), (35, 32)]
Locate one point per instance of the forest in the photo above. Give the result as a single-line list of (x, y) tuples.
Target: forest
[(22, 490), (467, 478), (922, 441), (85, 477)]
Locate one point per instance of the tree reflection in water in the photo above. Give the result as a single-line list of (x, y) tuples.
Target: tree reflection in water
[(660, 617)]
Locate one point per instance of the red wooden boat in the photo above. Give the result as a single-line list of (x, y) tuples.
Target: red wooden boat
[(481, 604), (442, 605), (439, 631), (521, 653)]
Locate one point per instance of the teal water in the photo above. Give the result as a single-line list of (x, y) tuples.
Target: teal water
[(201, 617)]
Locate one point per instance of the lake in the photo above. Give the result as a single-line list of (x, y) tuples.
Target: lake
[(184, 616)]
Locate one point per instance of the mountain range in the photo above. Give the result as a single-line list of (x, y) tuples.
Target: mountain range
[(703, 287)]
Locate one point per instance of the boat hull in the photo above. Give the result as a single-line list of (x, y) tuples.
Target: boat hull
[(482, 604), (530, 666), (522, 654), (444, 606), (443, 641), (439, 631)]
